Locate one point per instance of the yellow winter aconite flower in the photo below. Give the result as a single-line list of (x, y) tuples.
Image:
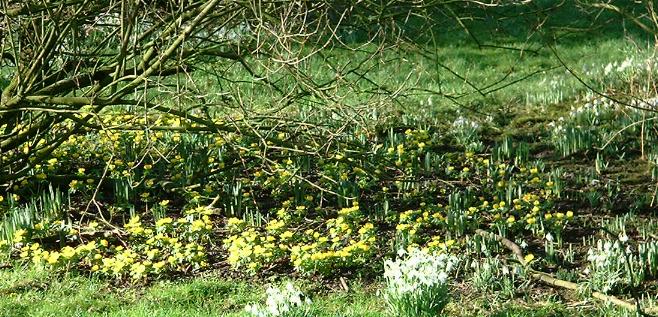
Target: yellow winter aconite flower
[(286, 235), (19, 235), (68, 252), (402, 227), (53, 257), (274, 225), (529, 257), (163, 222)]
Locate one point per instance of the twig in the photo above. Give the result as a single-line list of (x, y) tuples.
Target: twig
[(343, 284)]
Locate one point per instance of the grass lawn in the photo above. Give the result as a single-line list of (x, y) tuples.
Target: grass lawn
[(28, 292)]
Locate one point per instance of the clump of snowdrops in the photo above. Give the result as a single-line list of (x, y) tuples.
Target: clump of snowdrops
[(286, 301), (607, 265), (417, 283)]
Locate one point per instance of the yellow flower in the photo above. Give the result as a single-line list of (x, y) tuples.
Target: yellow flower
[(53, 258), (234, 222), (68, 252), (402, 227), (159, 265), (286, 235), (529, 257), (138, 269), (163, 222), (19, 235), (569, 214)]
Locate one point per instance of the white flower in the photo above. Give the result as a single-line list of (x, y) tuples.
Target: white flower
[(623, 237), (416, 276), (280, 302), (549, 237)]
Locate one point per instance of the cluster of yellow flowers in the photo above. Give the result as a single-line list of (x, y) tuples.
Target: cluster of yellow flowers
[(167, 246), (303, 233), (343, 241), (414, 144), (416, 229), (252, 249), (531, 213)]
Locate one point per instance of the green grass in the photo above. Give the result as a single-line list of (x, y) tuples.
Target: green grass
[(34, 293), (513, 66)]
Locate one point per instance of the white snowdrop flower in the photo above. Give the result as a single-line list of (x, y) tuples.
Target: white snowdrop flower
[(549, 237), (280, 302), (623, 237), (523, 245), (625, 64), (413, 276)]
